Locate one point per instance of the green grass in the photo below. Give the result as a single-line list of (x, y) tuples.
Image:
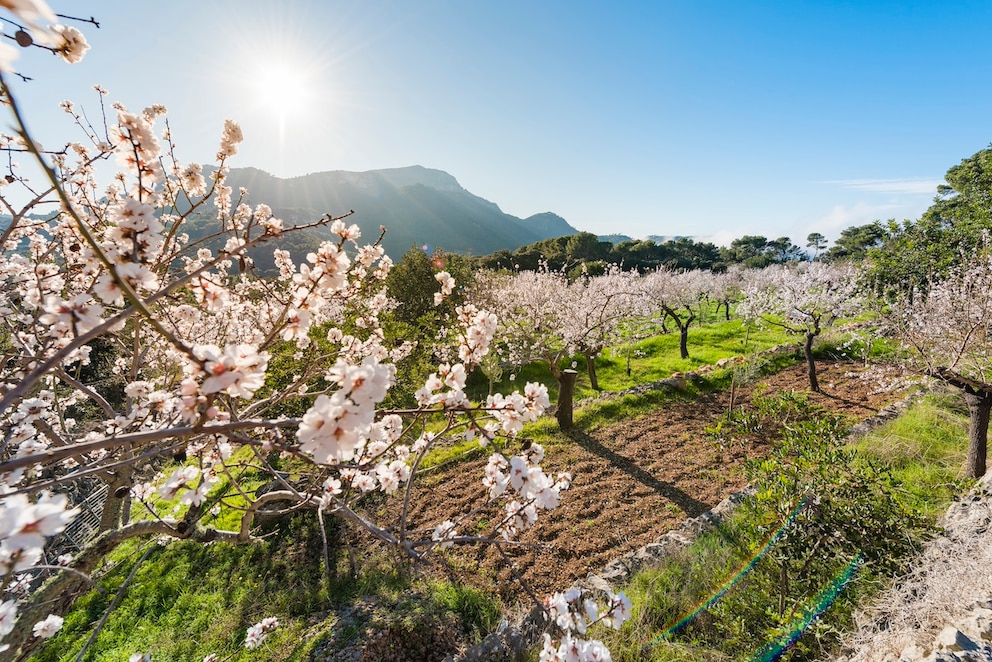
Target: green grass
[(925, 449), (651, 360), (188, 600)]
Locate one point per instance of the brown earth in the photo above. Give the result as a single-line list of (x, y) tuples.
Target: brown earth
[(632, 482)]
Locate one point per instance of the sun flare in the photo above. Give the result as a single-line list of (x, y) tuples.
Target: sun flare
[(282, 89)]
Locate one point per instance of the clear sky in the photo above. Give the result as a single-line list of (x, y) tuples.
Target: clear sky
[(708, 119)]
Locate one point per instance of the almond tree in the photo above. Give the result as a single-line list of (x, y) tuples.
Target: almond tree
[(680, 296), (803, 300), (534, 323), (726, 288), (599, 305), (545, 318), (948, 328), (210, 358)]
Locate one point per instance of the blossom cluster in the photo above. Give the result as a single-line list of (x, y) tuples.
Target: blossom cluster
[(574, 615), (533, 489), (24, 528), (43, 30), (258, 632)]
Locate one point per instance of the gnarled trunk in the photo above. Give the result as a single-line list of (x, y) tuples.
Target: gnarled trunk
[(979, 407), (591, 370), (978, 396), (814, 384), (684, 341), (566, 397)]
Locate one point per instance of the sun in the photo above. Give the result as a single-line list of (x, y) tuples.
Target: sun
[(282, 89)]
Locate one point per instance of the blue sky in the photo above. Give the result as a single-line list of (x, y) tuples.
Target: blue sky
[(709, 119)]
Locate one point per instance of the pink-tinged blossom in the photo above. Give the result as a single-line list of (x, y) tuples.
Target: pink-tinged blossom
[(495, 479), (30, 524), (35, 14), (478, 329), (364, 483), (197, 495), (348, 233), (574, 616), (519, 517), (210, 295), (138, 276), (180, 479), (447, 283), (329, 271), (8, 614), (258, 632), (366, 384), (331, 429), (238, 370), (138, 149), (48, 627), (24, 526), (72, 45), (619, 609), (79, 314), (192, 180), (229, 140), (444, 533)]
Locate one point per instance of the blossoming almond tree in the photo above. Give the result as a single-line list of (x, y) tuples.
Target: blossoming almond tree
[(544, 317), (107, 284), (600, 305), (803, 300), (948, 328), (679, 295)]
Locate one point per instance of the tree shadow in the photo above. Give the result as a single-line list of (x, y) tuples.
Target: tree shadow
[(837, 398), (690, 506)]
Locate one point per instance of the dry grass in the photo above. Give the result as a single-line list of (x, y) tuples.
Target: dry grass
[(950, 575)]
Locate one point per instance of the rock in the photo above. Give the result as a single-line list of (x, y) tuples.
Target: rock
[(953, 639)]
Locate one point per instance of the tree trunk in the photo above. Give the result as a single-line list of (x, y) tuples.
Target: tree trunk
[(113, 505), (566, 395), (979, 406), (684, 341), (814, 385), (591, 370), (683, 329)]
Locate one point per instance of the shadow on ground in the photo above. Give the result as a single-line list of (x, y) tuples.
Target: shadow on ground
[(690, 506)]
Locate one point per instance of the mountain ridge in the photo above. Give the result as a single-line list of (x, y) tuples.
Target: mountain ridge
[(418, 206)]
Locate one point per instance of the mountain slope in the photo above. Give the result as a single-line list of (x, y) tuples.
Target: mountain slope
[(417, 206)]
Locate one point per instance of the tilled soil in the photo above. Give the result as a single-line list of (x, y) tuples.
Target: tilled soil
[(632, 482)]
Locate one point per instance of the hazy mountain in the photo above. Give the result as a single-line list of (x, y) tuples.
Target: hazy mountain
[(418, 206), (550, 225)]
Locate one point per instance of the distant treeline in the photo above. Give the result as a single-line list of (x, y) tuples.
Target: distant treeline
[(682, 253)]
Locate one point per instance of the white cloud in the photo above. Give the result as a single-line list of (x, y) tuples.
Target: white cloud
[(841, 217), (724, 237), (909, 185)]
